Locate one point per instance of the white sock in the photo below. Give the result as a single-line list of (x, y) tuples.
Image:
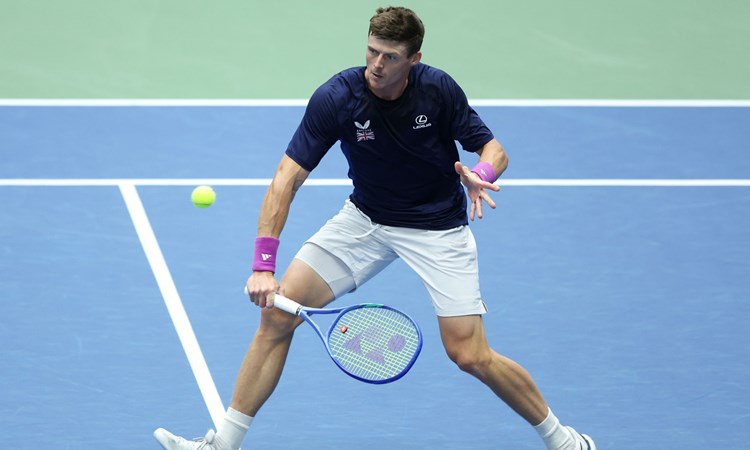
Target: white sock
[(232, 429), (554, 435)]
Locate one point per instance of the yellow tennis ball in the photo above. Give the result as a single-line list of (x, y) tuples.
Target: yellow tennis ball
[(203, 196)]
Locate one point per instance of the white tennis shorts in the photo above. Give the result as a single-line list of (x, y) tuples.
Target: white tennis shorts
[(350, 249)]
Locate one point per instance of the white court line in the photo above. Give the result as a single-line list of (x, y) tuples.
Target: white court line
[(613, 103), (529, 182), (174, 304), (617, 103), (130, 102), (623, 182)]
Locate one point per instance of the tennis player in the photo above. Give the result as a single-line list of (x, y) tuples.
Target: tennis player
[(397, 121)]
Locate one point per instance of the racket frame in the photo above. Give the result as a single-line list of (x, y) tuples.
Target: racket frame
[(290, 306)]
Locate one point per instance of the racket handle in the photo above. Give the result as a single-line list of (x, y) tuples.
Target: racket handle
[(284, 304)]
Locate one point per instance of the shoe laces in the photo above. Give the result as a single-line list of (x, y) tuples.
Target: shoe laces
[(206, 441)]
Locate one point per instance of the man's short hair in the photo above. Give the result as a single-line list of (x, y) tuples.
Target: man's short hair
[(396, 23)]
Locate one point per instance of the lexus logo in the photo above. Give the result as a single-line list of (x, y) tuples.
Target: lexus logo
[(421, 122)]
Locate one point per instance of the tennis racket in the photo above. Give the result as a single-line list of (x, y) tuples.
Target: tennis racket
[(370, 342)]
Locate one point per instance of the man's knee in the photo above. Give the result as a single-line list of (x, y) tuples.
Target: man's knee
[(276, 324), (468, 359), (465, 342)]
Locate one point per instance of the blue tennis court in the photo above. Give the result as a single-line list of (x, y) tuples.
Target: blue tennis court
[(615, 269)]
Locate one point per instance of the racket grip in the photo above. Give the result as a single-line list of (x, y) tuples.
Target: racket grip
[(284, 304)]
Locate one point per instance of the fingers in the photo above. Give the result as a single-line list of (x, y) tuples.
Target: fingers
[(485, 184), (261, 288), (476, 205), (262, 300), (468, 180), (488, 199), (267, 300), (461, 169), (492, 186)]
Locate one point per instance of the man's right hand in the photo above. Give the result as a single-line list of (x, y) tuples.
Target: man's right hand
[(261, 288)]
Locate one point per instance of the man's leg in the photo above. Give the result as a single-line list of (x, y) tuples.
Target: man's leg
[(261, 369), (466, 344), (360, 254)]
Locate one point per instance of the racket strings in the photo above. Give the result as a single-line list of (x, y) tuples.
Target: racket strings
[(374, 343)]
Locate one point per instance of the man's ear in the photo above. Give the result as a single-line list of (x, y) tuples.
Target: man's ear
[(416, 58)]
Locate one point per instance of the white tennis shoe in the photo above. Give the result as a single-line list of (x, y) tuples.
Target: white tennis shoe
[(584, 441), (169, 441)]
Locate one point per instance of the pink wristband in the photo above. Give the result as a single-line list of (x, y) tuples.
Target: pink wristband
[(485, 171), (265, 254)]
